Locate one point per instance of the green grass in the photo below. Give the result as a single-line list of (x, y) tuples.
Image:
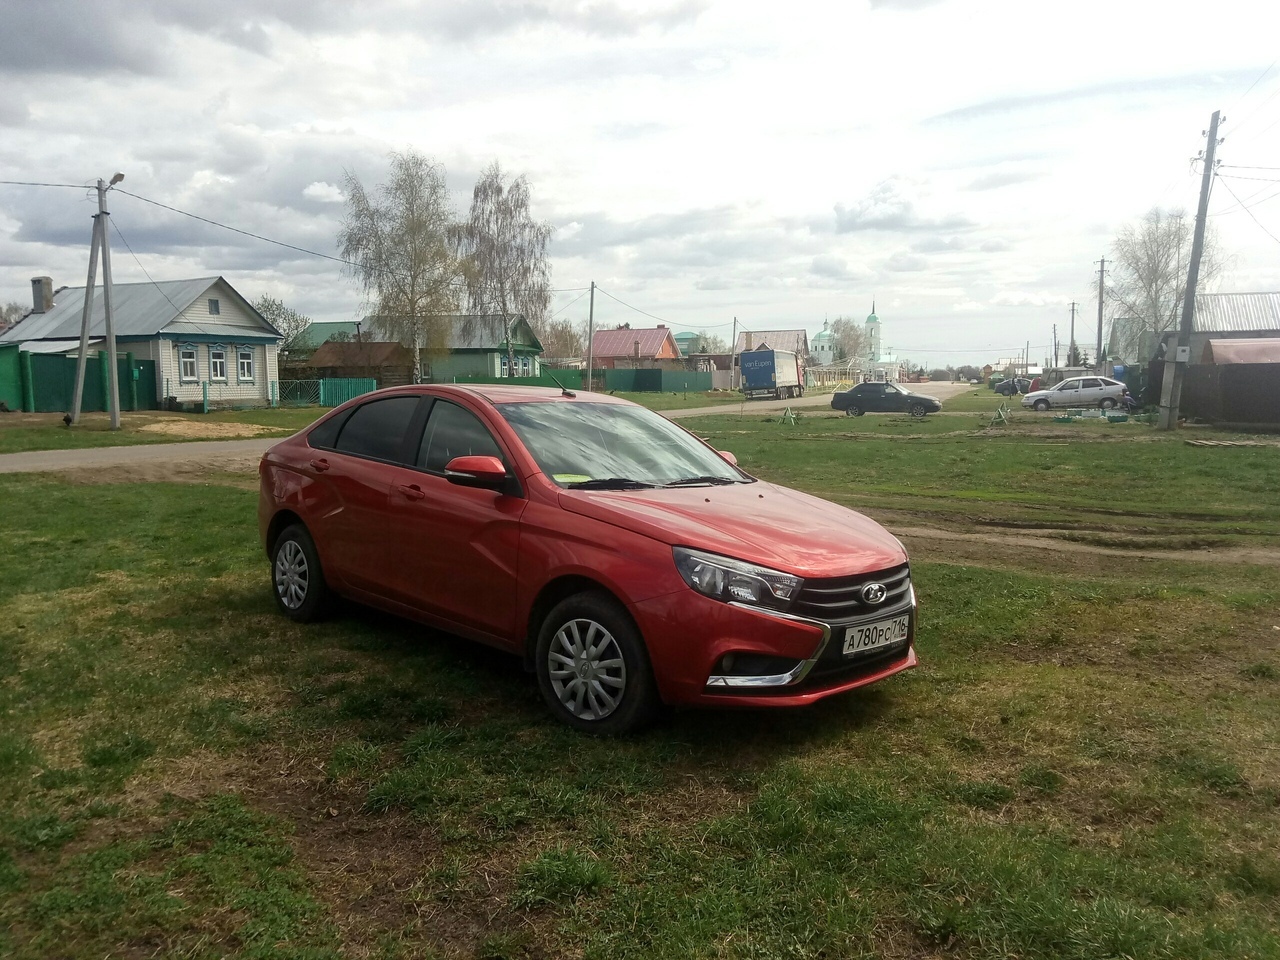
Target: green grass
[(1083, 766), (682, 400)]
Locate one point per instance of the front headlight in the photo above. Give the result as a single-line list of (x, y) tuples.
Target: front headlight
[(726, 579)]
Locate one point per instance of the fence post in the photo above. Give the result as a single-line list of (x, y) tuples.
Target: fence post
[(204, 390), (25, 382), (132, 380), (274, 398), (103, 360)]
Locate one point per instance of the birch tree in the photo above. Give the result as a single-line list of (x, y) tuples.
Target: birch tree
[(398, 240), (1149, 275), (504, 251)]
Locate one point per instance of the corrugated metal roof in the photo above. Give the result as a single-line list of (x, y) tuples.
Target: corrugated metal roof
[(1237, 312), (486, 331), (183, 328), (622, 343), (60, 346), (141, 310), (797, 341)]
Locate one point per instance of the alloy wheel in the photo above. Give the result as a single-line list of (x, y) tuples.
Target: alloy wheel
[(586, 669), (292, 575)]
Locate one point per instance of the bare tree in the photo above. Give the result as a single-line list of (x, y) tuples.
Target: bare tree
[(399, 240), (1149, 275), (288, 321), (708, 343), (505, 254), (10, 314), (561, 339), (848, 337)]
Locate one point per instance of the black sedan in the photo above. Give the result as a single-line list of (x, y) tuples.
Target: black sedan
[(880, 397)]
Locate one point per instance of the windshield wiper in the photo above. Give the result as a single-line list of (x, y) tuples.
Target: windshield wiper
[(611, 483), (695, 481)]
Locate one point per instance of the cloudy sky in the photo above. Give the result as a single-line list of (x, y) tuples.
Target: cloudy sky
[(964, 163)]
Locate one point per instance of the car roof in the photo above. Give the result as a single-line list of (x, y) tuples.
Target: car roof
[(507, 393)]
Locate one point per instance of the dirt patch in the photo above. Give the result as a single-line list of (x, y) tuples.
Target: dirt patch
[(240, 472), (206, 429)]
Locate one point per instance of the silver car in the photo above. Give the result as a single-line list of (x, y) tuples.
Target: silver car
[(1077, 392)]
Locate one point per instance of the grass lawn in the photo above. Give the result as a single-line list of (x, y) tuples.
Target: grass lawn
[(1084, 766), (682, 400)]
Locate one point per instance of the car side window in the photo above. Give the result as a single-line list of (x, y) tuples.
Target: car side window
[(326, 434), (1092, 382), (454, 432), (376, 429), (1069, 385)]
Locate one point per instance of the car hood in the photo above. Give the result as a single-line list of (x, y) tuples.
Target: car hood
[(924, 396), (1036, 394), (759, 522)]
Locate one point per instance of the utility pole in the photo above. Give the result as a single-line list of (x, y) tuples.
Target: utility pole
[(1026, 360), (591, 334), (733, 353), (1175, 371), (99, 245), (1102, 267), (1055, 344), (1071, 344)]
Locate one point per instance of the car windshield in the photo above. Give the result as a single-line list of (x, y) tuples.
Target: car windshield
[(611, 444)]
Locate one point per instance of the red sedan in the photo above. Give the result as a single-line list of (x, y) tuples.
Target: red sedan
[(625, 560)]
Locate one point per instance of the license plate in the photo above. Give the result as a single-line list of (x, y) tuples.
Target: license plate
[(882, 633)]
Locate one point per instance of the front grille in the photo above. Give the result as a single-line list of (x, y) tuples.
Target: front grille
[(834, 599)]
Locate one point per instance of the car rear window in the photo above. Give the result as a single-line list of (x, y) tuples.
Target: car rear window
[(377, 428)]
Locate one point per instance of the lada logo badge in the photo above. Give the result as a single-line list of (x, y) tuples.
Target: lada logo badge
[(874, 593)]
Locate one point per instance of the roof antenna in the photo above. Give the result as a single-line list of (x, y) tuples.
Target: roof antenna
[(563, 391)]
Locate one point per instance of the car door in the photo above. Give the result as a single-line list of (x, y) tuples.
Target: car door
[(1065, 394), (349, 527), (452, 551), (893, 400), (1091, 391)]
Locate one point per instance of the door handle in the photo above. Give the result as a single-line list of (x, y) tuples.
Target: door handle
[(412, 491), (319, 466)]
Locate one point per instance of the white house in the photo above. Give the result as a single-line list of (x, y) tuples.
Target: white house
[(201, 334)]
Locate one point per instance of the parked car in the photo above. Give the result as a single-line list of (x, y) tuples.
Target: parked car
[(1077, 392), (625, 560), (1012, 386), (881, 397)]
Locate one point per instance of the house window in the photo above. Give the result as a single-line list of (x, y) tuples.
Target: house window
[(244, 363), (504, 366), (215, 308), (187, 363), (524, 366), (218, 362)]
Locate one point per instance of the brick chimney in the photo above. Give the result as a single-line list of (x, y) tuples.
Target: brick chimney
[(41, 294)]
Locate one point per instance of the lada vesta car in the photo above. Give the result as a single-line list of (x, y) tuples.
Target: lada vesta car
[(628, 563)]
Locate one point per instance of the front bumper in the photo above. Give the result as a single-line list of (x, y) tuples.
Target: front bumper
[(688, 636)]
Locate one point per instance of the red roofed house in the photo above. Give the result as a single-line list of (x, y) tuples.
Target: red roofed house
[(627, 347)]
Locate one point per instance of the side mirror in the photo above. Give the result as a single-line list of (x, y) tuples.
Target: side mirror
[(485, 472), (728, 457)]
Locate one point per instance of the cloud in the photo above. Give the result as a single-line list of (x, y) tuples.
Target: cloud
[(937, 244), (995, 245), (1003, 178), (903, 262), (834, 268), (323, 193), (888, 207), (143, 37), (1117, 88)]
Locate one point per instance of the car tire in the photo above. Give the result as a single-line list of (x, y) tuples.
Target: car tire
[(853, 411), (297, 580), (917, 410), (1106, 403), (589, 636), (1042, 405)]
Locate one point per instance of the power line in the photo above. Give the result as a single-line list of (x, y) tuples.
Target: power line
[(570, 303), (29, 183), (1243, 166), (177, 309), (1227, 187), (691, 326), (1232, 176)]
